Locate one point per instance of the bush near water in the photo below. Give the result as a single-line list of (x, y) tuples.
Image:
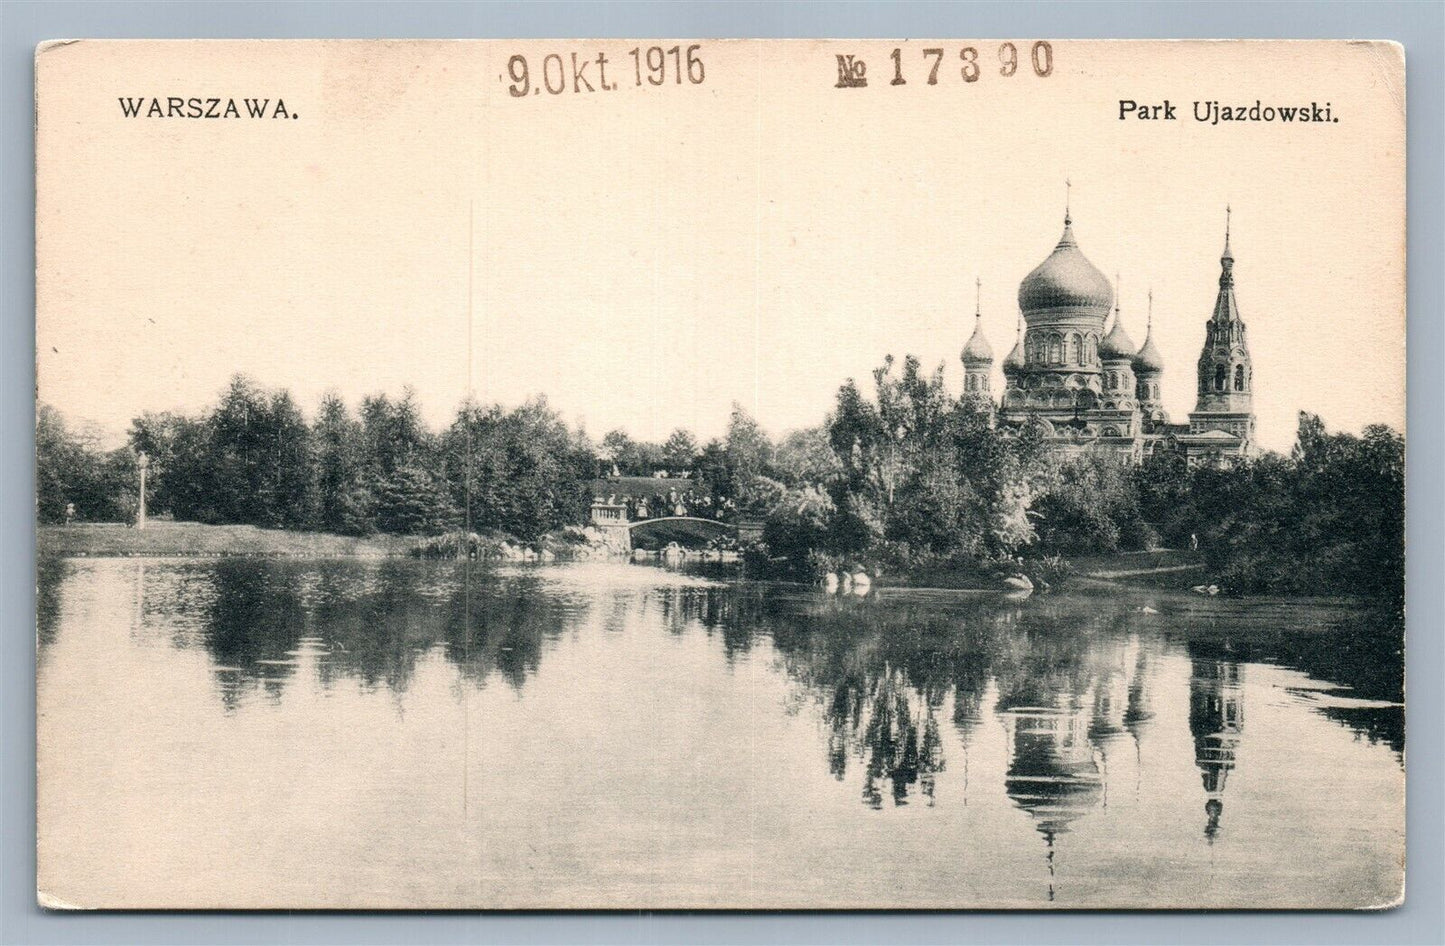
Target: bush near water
[(905, 481)]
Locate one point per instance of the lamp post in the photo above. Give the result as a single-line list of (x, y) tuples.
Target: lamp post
[(140, 519)]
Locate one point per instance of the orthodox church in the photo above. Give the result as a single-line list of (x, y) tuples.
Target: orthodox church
[(1080, 377)]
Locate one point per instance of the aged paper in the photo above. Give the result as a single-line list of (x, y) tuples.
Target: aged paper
[(609, 474)]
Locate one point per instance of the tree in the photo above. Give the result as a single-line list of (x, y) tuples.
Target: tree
[(70, 468), (247, 462), (59, 461), (413, 500), (923, 477), (1092, 506), (679, 452), (521, 471), (392, 433), (748, 454), (288, 490), (239, 444), (616, 448), (712, 472), (344, 502), (805, 457), (1165, 498), (632, 457)]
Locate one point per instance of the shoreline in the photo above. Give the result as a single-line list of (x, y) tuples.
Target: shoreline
[(1166, 571), (167, 539), (164, 539)]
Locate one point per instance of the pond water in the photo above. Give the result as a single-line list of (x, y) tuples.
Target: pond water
[(392, 733)]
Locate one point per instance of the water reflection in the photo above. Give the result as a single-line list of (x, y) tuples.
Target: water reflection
[(1216, 721), (882, 668), (1049, 701), (49, 572)]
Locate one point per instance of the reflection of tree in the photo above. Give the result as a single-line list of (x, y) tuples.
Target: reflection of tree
[(370, 622), (373, 622), (253, 623), (500, 625), (881, 670), (881, 673), (877, 720), (1363, 652), (50, 572)]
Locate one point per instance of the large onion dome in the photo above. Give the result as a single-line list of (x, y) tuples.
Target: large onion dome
[(1117, 344), (1065, 280), (977, 351)]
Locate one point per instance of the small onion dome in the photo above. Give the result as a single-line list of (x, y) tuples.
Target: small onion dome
[(977, 351), (1117, 344), (1148, 358), (1015, 359), (1065, 280)]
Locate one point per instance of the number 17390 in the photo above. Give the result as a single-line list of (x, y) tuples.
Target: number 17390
[(971, 64)]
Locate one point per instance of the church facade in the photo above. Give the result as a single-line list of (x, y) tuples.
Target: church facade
[(1076, 373)]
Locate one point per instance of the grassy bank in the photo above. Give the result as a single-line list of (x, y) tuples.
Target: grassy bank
[(1159, 568), (1164, 569), (194, 539)]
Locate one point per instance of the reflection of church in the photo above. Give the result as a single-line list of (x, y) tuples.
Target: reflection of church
[(1053, 771), (1083, 381), (1216, 720), (1064, 713)]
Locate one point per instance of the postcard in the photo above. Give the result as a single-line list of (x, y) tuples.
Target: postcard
[(701, 474)]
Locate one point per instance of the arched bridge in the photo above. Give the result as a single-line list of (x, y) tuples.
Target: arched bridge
[(687, 531)]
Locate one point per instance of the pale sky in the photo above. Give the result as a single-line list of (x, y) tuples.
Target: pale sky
[(647, 256)]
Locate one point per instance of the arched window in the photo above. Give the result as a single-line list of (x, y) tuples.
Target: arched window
[(1076, 349), (1221, 376), (1239, 377), (1056, 349)]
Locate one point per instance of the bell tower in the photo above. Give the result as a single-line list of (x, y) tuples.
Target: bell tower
[(1226, 375)]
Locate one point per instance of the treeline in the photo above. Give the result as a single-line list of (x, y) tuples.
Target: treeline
[(255, 459), (905, 478), (920, 480), (1327, 519)]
